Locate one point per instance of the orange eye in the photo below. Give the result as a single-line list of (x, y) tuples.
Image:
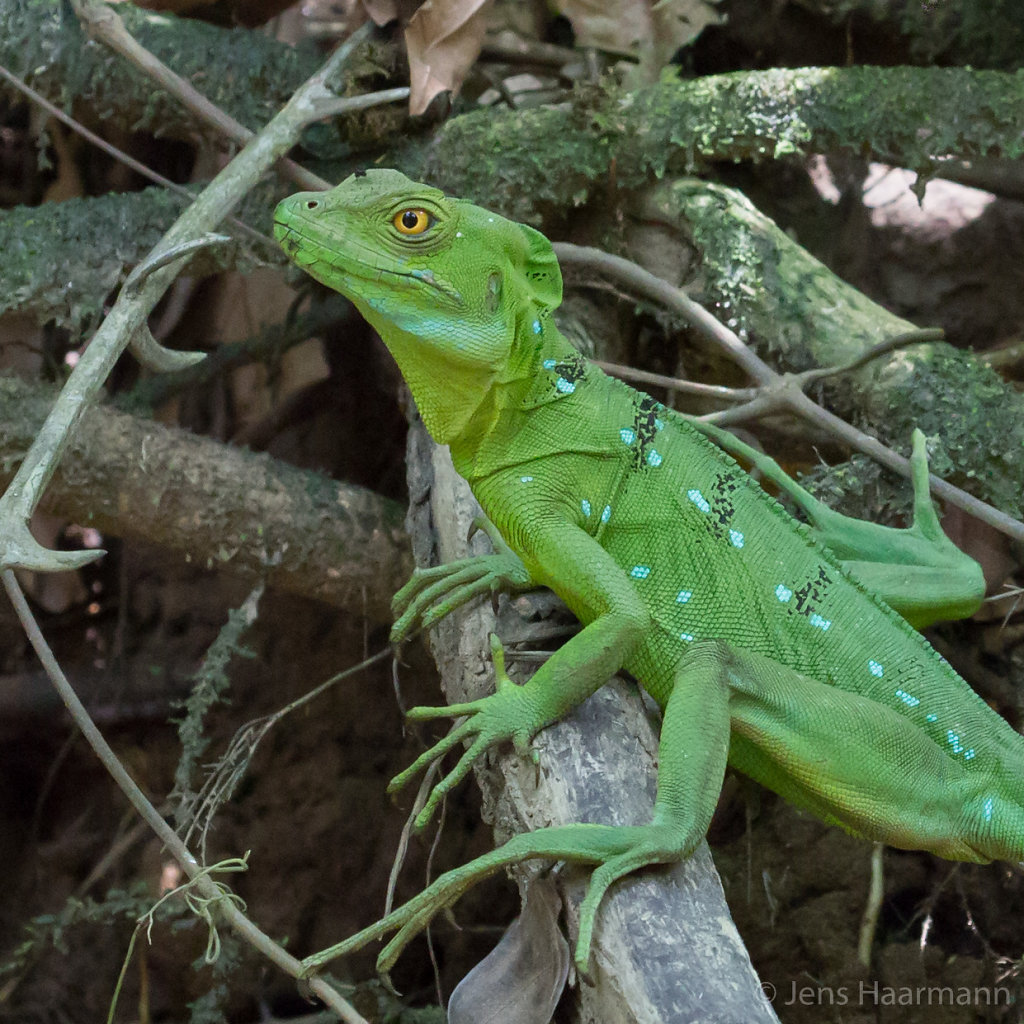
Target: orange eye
[(412, 222)]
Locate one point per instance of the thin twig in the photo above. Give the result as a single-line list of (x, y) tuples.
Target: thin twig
[(120, 155), (777, 390), (227, 772), (688, 387), (872, 906), (508, 46), (246, 929), (336, 106), (130, 311), (102, 22)]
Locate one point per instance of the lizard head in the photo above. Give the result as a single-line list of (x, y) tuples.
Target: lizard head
[(457, 293)]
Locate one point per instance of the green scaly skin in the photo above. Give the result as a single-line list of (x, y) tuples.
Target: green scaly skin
[(764, 650)]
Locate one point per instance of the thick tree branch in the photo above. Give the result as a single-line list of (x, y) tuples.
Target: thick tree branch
[(809, 317), (217, 505)]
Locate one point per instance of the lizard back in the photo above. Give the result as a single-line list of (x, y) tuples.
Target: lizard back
[(713, 556)]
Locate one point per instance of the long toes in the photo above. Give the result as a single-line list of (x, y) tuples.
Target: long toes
[(425, 714), (428, 757), (449, 782), (454, 599)]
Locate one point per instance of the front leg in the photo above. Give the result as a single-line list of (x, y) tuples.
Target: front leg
[(587, 578), (433, 593)]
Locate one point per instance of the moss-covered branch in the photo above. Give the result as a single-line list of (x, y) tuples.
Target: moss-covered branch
[(219, 506), (790, 304), (43, 42), (61, 261), (525, 163)]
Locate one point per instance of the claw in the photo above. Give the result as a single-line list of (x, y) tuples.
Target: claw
[(475, 527), (502, 681), (497, 653)]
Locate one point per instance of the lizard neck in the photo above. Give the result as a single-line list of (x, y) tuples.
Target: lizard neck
[(448, 391), (509, 394)]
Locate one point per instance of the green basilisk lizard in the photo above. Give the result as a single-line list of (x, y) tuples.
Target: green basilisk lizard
[(766, 642)]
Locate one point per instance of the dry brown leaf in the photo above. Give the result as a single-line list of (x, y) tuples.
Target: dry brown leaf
[(443, 40), (521, 979), (650, 29), (381, 11)]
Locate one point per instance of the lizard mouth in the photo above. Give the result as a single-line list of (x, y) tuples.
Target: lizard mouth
[(291, 239)]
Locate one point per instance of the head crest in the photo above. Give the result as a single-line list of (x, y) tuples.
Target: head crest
[(543, 276)]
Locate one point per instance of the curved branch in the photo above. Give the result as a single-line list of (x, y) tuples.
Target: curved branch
[(252, 934)]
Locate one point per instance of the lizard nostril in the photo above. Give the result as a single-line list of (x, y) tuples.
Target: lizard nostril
[(312, 204)]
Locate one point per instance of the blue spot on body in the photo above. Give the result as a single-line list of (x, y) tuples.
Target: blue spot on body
[(783, 593), (875, 668), (653, 458), (908, 699), (640, 572), (931, 718), (683, 596), (818, 622), (699, 500), (687, 637), (536, 327), (526, 479), (606, 514), (628, 435), (585, 505), (567, 387), (659, 424), (953, 738), (549, 364), (736, 538), (986, 809)]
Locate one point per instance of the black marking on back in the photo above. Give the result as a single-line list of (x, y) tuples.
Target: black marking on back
[(810, 597), (645, 426), (720, 498), (572, 370)]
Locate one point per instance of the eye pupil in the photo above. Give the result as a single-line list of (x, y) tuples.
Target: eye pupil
[(412, 221)]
